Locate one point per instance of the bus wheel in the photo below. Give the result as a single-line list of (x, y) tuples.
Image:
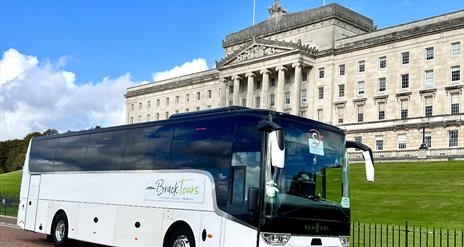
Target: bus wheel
[(181, 236), (60, 230)]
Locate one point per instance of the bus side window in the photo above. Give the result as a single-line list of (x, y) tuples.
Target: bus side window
[(104, 151), (206, 145), (70, 153), (42, 155), (147, 148)]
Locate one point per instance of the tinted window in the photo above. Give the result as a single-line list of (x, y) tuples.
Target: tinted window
[(42, 154), (206, 145), (104, 151), (147, 148), (70, 153)]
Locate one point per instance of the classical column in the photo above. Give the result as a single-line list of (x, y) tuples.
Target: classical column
[(265, 89), (250, 88), (236, 97), (223, 89), (280, 88), (296, 90)]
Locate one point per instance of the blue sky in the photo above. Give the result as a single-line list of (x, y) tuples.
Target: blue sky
[(67, 64), (110, 38)]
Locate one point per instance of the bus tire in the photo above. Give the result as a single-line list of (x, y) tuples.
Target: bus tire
[(60, 230), (181, 235)]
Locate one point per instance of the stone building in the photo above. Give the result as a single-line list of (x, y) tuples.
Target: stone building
[(388, 88)]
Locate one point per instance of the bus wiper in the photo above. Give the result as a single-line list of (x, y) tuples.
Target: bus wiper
[(314, 198)]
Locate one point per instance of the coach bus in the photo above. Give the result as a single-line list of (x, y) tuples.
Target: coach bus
[(224, 177)]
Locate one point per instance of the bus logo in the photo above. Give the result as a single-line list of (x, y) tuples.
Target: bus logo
[(174, 189)]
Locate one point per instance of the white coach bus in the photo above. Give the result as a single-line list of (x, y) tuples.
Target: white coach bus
[(225, 177)]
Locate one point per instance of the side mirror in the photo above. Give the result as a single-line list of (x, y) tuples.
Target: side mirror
[(368, 158), (276, 140), (253, 196)]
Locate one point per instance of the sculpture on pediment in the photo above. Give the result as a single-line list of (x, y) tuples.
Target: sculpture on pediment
[(255, 52)]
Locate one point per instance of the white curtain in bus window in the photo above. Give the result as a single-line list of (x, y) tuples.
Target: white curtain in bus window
[(70, 152), (104, 151), (42, 154), (147, 148)]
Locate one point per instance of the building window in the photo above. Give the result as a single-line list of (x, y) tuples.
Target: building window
[(197, 108), (379, 143), (198, 95), (302, 113), (341, 69), (402, 141), (287, 97), (231, 89), (244, 102), (187, 109), (454, 103), (258, 85), (131, 120), (273, 82), (358, 139), (287, 79), (258, 102), (132, 107), (272, 100), (455, 74), (382, 84), (404, 108), (177, 99), (187, 97), (139, 118), (149, 104), (210, 94), (177, 111), (382, 62), (455, 49), (305, 76), (360, 88), (404, 81), (148, 117), (405, 58), (340, 111), (321, 92), (428, 78), (453, 138), (360, 113), (429, 53), (167, 101), (361, 66), (319, 114), (428, 106), (166, 114), (208, 106), (321, 72), (341, 90), (158, 102), (428, 139), (381, 110), (140, 105), (157, 116), (303, 96)]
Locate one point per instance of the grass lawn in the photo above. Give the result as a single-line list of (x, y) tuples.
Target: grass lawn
[(10, 183), (428, 194)]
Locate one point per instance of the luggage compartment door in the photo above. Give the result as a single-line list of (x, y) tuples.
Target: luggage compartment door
[(32, 201)]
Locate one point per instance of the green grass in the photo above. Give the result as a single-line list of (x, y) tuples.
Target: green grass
[(10, 183), (429, 194)]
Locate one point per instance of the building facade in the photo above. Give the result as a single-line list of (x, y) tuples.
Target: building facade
[(393, 89)]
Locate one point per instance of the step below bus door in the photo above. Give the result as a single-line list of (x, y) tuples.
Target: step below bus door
[(32, 201)]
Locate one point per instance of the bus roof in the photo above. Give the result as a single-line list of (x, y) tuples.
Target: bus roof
[(217, 112)]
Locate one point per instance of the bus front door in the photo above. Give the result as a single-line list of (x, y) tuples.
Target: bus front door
[(32, 201)]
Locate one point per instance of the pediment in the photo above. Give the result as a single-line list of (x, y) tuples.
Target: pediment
[(258, 49)]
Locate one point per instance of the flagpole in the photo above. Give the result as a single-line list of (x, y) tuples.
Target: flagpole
[(254, 10)]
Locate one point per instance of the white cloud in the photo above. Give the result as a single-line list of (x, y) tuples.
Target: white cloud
[(196, 65), (37, 96)]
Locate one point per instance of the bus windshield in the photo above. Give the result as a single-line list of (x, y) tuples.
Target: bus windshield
[(313, 185)]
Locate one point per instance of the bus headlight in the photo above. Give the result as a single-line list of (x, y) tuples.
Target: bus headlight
[(345, 240), (276, 238)]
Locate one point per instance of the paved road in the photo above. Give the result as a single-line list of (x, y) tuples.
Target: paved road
[(12, 236)]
